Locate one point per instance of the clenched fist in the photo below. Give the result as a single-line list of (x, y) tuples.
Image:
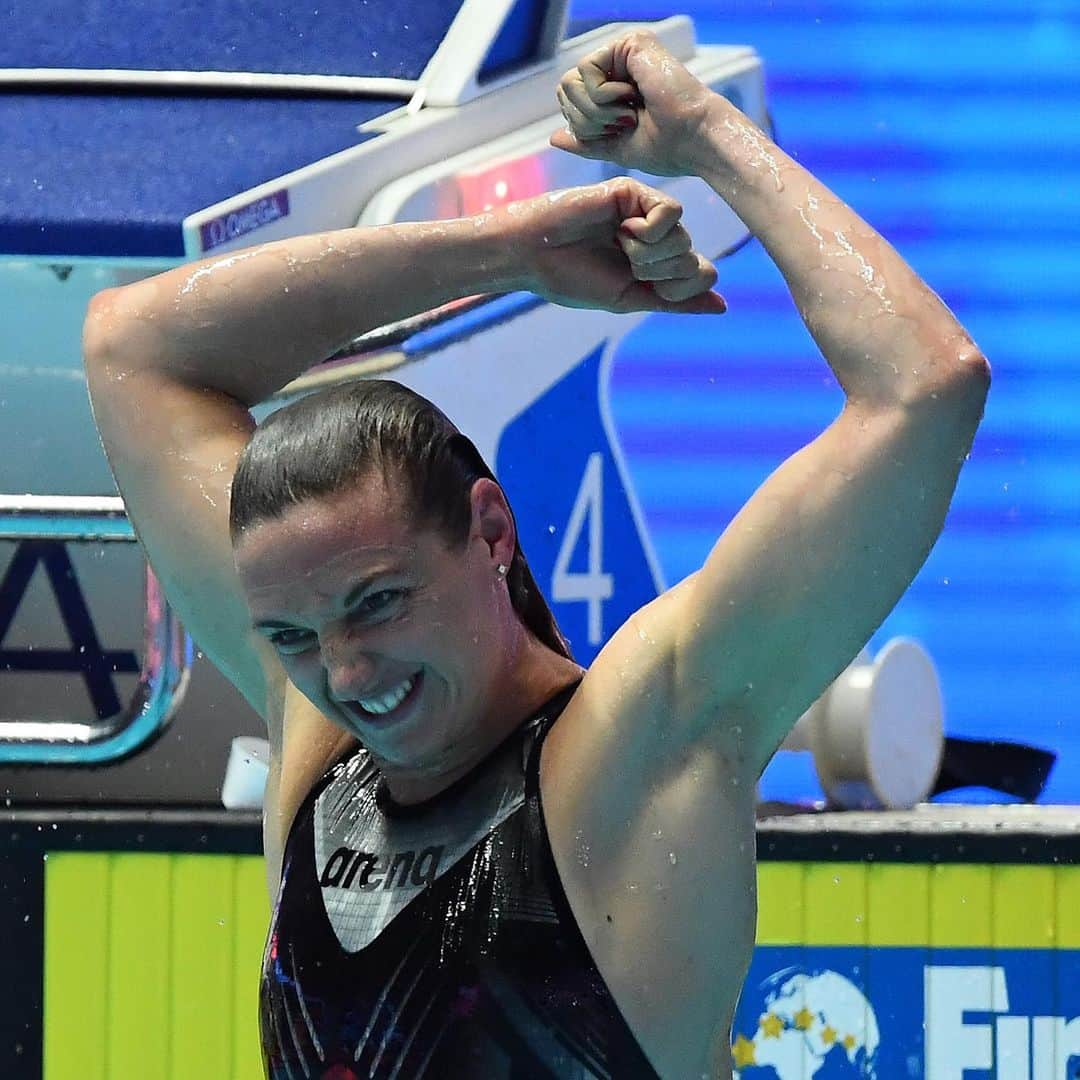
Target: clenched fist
[(617, 245), (633, 103)]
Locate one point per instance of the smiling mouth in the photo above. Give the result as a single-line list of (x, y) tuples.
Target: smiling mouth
[(367, 716)]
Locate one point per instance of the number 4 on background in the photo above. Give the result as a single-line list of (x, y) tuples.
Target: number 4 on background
[(594, 586)]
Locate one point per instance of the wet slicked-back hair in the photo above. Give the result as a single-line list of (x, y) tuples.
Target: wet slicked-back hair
[(325, 442)]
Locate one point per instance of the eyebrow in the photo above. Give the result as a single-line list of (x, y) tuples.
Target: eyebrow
[(353, 596)]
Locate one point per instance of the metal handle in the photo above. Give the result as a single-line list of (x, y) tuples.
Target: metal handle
[(168, 651)]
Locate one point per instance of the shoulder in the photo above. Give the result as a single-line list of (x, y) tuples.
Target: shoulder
[(310, 745)]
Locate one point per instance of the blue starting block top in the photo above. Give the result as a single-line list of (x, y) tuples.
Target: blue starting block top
[(111, 175), (374, 38), (113, 171)]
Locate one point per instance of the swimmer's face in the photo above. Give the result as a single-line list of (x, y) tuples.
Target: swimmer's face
[(356, 602)]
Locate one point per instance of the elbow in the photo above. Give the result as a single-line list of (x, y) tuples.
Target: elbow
[(98, 328), (114, 337), (976, 369), (966, 385), (976, 377)]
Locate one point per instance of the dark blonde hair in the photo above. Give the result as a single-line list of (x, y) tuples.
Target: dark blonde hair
[(327, 441)]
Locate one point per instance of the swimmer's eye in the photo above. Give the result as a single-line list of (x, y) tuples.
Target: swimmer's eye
[(295, 641), (292, 641), (383, 596)]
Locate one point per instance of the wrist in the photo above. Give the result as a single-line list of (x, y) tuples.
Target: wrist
[(512, 241), (709, 153)]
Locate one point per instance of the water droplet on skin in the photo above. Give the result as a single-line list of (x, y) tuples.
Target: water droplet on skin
[(582, 848)]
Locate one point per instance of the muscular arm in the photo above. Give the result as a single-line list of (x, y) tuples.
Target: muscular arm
[(884, 332), (249, 323), (821, 553)]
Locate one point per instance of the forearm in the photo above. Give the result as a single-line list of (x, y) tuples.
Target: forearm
[(250, 322), (882, 329)]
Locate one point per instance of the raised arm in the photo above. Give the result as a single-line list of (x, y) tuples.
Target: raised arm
[(821, 553), (174, 362)]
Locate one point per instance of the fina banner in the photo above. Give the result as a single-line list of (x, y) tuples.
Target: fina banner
[(885, 1013)]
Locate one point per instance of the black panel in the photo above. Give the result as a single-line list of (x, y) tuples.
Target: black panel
[(27, 832), (22, 930)]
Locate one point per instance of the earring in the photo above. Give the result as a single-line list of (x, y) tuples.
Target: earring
[(501, 570)]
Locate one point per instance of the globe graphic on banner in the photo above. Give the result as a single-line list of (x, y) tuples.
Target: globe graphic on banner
[(810, 1024)]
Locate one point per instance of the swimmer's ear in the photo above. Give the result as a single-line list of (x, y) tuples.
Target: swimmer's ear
[(597, 149)]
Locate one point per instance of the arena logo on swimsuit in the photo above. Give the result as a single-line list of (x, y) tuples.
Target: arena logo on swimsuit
[(347, 869)]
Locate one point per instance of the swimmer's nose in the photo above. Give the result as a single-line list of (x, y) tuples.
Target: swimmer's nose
[(349, 673)]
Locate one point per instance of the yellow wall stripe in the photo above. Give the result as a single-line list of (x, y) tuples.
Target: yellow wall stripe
[(251, 916), (1024, 907), (152, 966), (944, 906), (76, 966), (898, 904), (203, 965), (781, 907), (835, 903), (960, 906), (140, 889), (1067, 907)]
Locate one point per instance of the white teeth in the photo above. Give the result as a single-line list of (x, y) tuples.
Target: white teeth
[(390, 700)]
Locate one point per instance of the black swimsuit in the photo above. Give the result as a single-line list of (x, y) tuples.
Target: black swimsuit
[(435, 941)]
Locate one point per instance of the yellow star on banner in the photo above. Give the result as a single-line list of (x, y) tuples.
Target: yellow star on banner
[(849, 1042), (772, 1025), (803, 1019), (828, 1035), (743, 1052)]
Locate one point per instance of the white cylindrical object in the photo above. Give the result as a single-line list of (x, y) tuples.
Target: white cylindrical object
[(881, 736), (245, 774)]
